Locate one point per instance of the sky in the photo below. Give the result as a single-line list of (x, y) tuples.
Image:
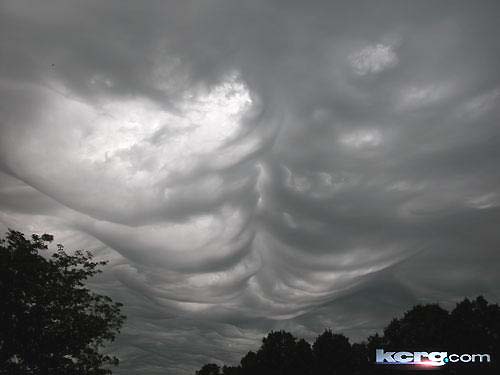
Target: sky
[(254, 165)]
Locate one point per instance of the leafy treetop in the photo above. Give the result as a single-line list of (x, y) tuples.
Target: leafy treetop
[(50, 322)]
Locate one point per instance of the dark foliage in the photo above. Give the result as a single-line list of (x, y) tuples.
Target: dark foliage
[(471, 327), (209, 369), (50, 323)]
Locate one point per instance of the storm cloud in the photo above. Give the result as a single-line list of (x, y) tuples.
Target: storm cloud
[(255, 165)]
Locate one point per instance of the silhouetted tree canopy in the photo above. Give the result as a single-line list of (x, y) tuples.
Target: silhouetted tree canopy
[(249, 364), (471, 327), (332, 354), (209, 369), (50, 323), (276, 354), (421, 328)]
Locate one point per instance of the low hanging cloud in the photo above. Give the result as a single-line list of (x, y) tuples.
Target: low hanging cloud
[(255, 166)]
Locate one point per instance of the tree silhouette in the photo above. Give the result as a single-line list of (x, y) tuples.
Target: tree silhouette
[(249, 364), (471, 327), (421, 328), (230, 370), (303, 358), (332, 354), (209, 369), (50, 323), (361, 359), (476, 325), (275, 355)]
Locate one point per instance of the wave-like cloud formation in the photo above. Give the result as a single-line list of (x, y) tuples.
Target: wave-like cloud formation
[(250, 166)]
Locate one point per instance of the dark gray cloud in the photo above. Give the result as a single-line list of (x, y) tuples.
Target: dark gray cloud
[(254, 165)]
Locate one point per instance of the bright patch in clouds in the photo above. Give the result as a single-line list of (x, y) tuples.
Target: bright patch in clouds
[(484, 201), (129, 130), (361, 139), (481, 104), (418, 96), (129, 153), (373, 59)]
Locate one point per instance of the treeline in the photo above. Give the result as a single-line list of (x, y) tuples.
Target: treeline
[(473, 326)]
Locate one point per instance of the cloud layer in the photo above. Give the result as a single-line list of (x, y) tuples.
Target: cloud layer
[(254, 165)]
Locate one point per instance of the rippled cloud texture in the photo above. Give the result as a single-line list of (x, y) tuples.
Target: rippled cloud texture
[(256, 165)]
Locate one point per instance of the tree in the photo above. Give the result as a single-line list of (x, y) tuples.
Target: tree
[(209, 369), (475, 325), (302, 361), (471, 327), (50, 322), (361, 359), (332, 354), (424, 327), (276, 353), (249, 364), (231, 370)]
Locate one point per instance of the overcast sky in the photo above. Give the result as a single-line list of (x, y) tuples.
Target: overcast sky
[(256, 165)]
